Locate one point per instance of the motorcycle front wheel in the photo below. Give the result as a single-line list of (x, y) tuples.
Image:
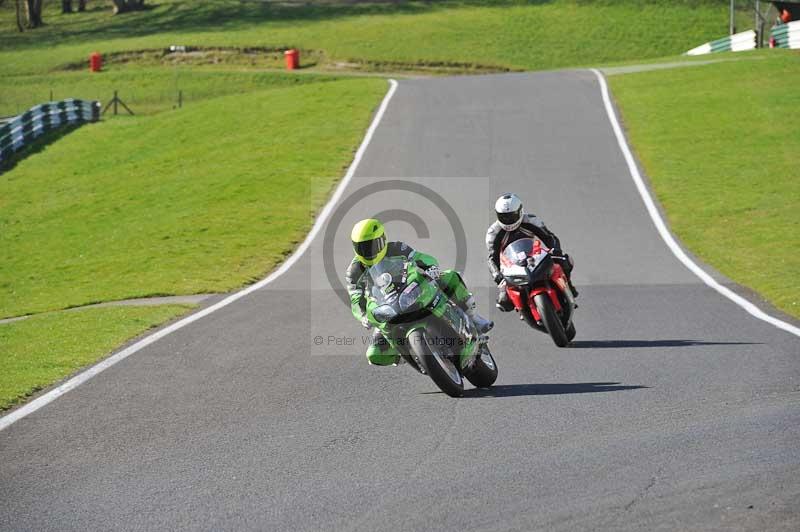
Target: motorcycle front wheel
[(551, 320), (433, 357), (571, 331)]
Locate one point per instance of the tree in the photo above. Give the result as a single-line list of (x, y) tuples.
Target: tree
[(81, 5), (18, 6), (31, 16), (123, 6), (33, 9)]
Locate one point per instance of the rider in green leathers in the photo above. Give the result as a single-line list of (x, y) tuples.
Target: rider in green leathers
[(370, 246)]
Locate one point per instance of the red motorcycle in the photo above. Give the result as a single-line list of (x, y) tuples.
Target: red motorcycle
[(537, 286)]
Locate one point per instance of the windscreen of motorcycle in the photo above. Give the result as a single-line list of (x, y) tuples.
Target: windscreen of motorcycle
[(515, 256), (388, 278)]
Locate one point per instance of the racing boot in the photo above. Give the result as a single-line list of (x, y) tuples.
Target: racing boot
[(572, 288), (471, 308), (568, 264), (503, 303)]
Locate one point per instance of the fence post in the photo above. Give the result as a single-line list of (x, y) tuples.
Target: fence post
[(115, 102), (758, 24), (180, 99)]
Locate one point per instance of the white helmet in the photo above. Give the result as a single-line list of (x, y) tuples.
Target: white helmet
[(509, 211)]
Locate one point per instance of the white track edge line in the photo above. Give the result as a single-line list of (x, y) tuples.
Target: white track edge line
[(661, 226), (79, 379)]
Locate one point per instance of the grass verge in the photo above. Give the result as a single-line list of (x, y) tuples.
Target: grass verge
[(198, 200), (720, 143), (40, 350)]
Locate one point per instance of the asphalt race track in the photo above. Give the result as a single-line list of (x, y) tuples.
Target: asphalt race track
[(674, 409)]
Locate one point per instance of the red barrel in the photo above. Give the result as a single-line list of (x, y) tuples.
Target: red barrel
[(292, 59), (95, 62)]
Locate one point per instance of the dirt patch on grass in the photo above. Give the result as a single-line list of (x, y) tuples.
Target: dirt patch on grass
[(273, 58), (201, 56)]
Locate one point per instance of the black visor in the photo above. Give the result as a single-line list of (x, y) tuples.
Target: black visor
[(370, 249), (509, 218)]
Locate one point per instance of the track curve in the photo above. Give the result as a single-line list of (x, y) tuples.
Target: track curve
[(675, 409)]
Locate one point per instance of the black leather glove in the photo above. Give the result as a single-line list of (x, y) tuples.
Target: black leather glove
[(498, 278)]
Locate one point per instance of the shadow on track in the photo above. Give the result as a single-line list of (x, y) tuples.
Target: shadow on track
[(606, 344), (518, 390)]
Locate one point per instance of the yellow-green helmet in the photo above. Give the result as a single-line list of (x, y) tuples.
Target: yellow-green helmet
[(369, 241)]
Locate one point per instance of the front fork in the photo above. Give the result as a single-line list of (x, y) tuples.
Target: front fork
[(520, 298)]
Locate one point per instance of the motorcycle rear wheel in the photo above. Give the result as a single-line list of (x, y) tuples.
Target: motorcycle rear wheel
[(434, 359), (551, 320), (484, 371)]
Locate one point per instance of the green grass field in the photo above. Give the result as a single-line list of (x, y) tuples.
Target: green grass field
[(203, 199), (720, 143), (43, 349), (499, 33)]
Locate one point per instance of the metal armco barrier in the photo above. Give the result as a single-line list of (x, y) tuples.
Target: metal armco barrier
[(22, 129), (786, 35), (732, 43)]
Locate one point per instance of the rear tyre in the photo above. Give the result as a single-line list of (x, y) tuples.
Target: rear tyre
[(435, 361), (551, 320), (484, 371)]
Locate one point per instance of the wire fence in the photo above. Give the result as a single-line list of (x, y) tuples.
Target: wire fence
[(141, 101)]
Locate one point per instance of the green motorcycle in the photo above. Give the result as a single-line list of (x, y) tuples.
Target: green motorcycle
[(430, 332)]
